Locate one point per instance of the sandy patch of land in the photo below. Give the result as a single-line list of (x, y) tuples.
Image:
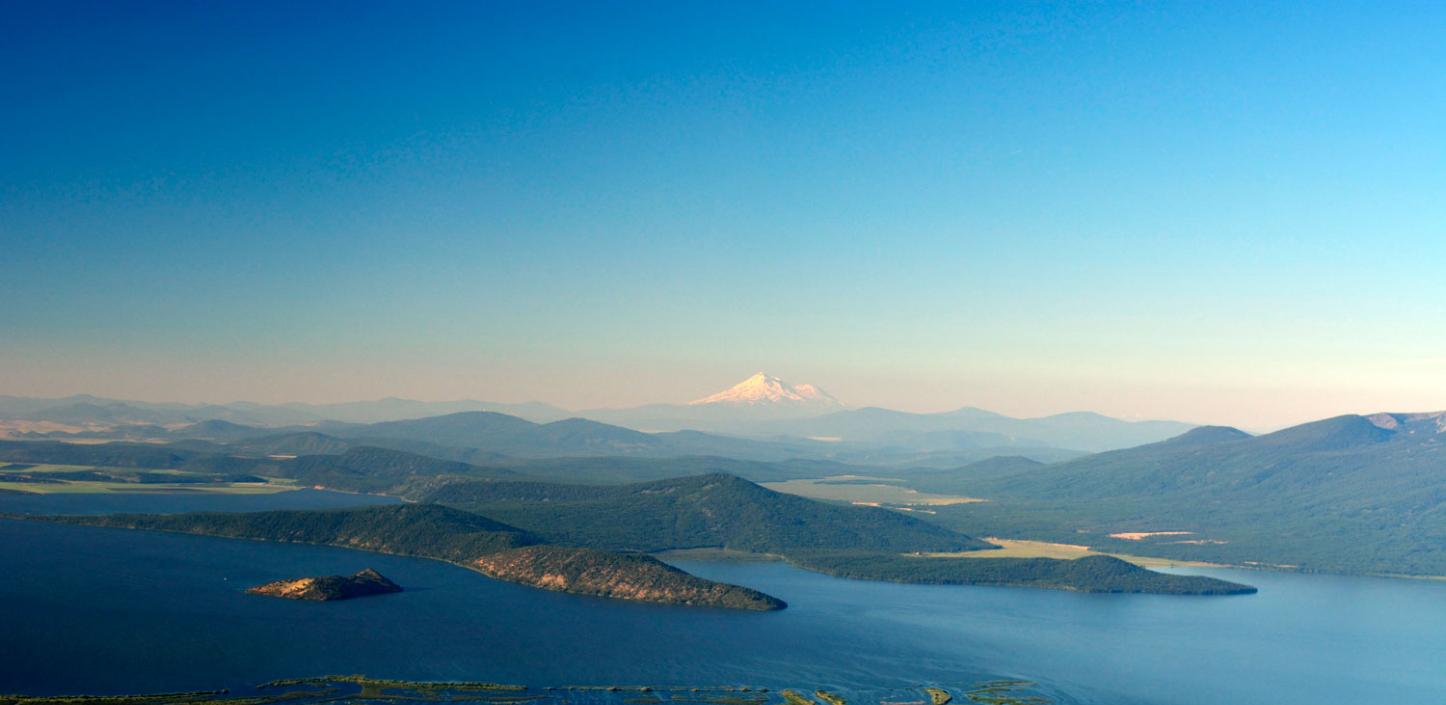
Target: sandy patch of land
[(15, 427), (1142, 535), (1020, 548)]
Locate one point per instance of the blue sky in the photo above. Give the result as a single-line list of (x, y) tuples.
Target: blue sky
[(1216, 212)]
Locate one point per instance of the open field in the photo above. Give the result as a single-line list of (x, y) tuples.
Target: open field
[(26, 468), (24, 477), (16, 428), (54, 478), (857, 489), (1017, 548), (89, 487)]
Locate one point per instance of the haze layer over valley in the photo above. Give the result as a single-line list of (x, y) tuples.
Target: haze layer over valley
[(1308, 497)]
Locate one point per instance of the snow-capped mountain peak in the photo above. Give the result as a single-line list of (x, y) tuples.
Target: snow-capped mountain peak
[(765, 389)]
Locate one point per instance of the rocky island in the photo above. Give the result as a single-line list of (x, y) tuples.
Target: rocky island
[(329, 587)]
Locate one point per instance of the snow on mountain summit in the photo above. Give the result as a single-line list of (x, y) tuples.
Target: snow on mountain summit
[(764, 389)]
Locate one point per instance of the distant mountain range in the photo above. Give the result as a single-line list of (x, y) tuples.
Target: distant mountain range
[(81, 410), (975, 428), (1345, 494), (762, 417), (515, 437), (764, 406)]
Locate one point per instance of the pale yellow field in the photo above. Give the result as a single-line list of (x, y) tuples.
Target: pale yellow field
[(1019, 548), (48, 467), (17, 427), (43, 468), (136, 488), (94, 487), (1142, 535)]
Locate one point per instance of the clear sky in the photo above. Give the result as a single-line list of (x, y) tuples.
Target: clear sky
[(1208, 211)]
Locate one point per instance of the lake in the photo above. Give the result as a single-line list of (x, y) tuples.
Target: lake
[(85, 609)]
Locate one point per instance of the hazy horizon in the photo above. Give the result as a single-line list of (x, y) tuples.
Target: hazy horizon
[(1026, 412), (1224, 214)]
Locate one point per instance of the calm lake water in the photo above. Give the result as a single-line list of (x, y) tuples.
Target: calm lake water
[(101, 610)]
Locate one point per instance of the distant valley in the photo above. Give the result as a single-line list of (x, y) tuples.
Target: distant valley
[(1355, 494)]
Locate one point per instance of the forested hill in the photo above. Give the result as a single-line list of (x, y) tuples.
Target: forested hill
[(1351, 493), (1089, 574), (425, 530), (359, 469), (463, 538), (574, 437), (856, 542), (391, 466), (714, 510)]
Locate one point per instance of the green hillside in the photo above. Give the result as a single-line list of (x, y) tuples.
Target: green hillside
[(500, 434), (954, 480), (1090, 574), (377, 470), (463, 538), (357, 469), (1349, 494), (119, 455), (705, 511), (407, 529)]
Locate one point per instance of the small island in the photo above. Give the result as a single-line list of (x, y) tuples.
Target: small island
[(326, 588)]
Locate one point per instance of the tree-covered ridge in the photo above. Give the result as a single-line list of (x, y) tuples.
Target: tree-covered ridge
[(463, 538), (853, 542), (714, 510), (118, 455), (358, 469), (1089, 574), (378, 470), (424, 530), (1346, 494), (625, 576)]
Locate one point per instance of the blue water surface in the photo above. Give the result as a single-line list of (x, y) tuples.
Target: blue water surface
[(86, 609)]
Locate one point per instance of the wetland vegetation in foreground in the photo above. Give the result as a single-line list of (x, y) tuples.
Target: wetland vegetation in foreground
[(361, 689)]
